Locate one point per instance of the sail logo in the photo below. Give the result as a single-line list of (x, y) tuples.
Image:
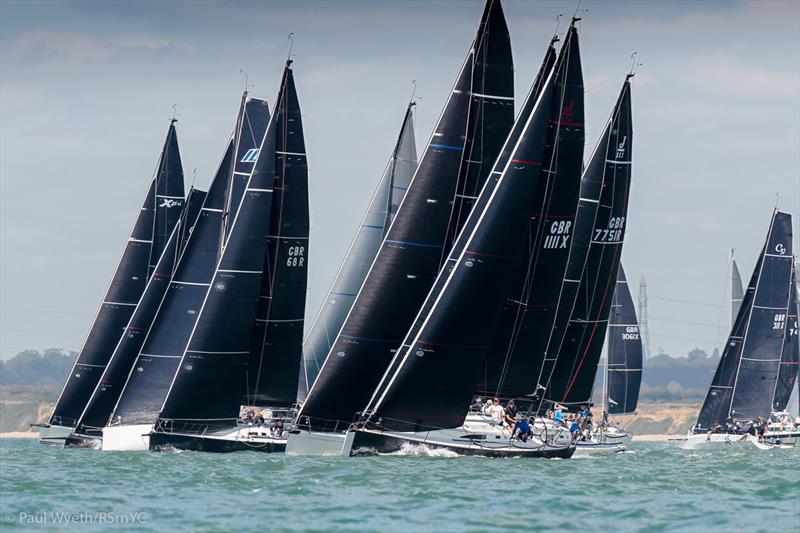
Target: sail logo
[(621, 147), (559, 235), (780, 248), (567, 113), (166, 202), (250, 156)]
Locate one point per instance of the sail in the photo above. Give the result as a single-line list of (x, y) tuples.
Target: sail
[(407, 262), (380, 213), (251, 124), (790, 358), (127, 285), (169, 195), (273, 367), (744, 382), (206, 388), (573, 372), (490, 115), (165, 342), (530, 311), (624, 373), (98, 409), (431, 380), (737, 291)]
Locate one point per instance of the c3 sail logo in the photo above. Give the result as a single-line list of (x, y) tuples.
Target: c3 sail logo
[(780, 248), (166, 202), (250, 156), (621, 147)]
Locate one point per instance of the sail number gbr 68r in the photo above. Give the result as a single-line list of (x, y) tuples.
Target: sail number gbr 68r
[(295, 258)]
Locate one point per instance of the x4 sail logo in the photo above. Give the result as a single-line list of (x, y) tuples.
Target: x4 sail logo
[(166, 202), (250, 156), (621, 148), (780, 248)]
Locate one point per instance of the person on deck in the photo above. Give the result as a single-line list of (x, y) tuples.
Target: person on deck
[(487, 407), (511, 413), (522, 429), (558, 416), (497, 412)]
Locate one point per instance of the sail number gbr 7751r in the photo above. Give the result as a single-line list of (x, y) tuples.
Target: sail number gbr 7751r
[(613, 233)]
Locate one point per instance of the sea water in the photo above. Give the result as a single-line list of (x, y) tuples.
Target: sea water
[(652, 487)]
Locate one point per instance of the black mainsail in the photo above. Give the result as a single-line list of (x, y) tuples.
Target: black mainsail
[(165, 343), (377, 219), (206, 388), (159, 212), (273, 367), (410, 256), (531, 309), (98, 409), (790, 358), (431, 380), (572, 376), (744, 382), (624, 355)]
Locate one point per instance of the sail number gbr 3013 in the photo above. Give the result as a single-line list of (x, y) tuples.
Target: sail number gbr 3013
[(295, 258), (613, 233)]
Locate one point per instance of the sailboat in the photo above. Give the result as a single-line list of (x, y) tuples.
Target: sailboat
[(267, 373), (466, 140), (98, 409), (379, 215), (158, 215), (167, 339), (424, 396), (737, 290), (621, 373), (744, 384)]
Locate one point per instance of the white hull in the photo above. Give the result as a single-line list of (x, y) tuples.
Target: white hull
[(54, 435), (604, 442), (302, 442), (702, 440), (133, 438)]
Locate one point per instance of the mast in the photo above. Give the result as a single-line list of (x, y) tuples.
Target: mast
[(624, 353), (568, 376), (431, 380), (127, 284), (410, 256), (531, 308), (273, 366), (365, 244)]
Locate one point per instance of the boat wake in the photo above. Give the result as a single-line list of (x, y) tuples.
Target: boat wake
[(422, 450)]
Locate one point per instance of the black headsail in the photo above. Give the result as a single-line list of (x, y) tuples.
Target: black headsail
[(251, 124), (165, 342), (624, 372), (206, 388), (127, 284), (572, 376), (380, 213), (790, 360), (107, 392), (409, 257), (433, 375), (744, 383), (276, 351), (737, 291), (530, 311)]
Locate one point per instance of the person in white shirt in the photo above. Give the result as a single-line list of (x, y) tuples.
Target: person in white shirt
[(497, 412)]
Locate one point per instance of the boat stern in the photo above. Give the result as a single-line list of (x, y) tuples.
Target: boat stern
[(133, 438)]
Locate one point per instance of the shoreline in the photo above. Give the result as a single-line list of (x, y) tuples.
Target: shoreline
[(20, 435)]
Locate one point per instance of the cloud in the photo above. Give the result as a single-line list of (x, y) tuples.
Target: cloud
[(43, 45)]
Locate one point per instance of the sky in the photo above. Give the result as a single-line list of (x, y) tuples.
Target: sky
[(87, 90)]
